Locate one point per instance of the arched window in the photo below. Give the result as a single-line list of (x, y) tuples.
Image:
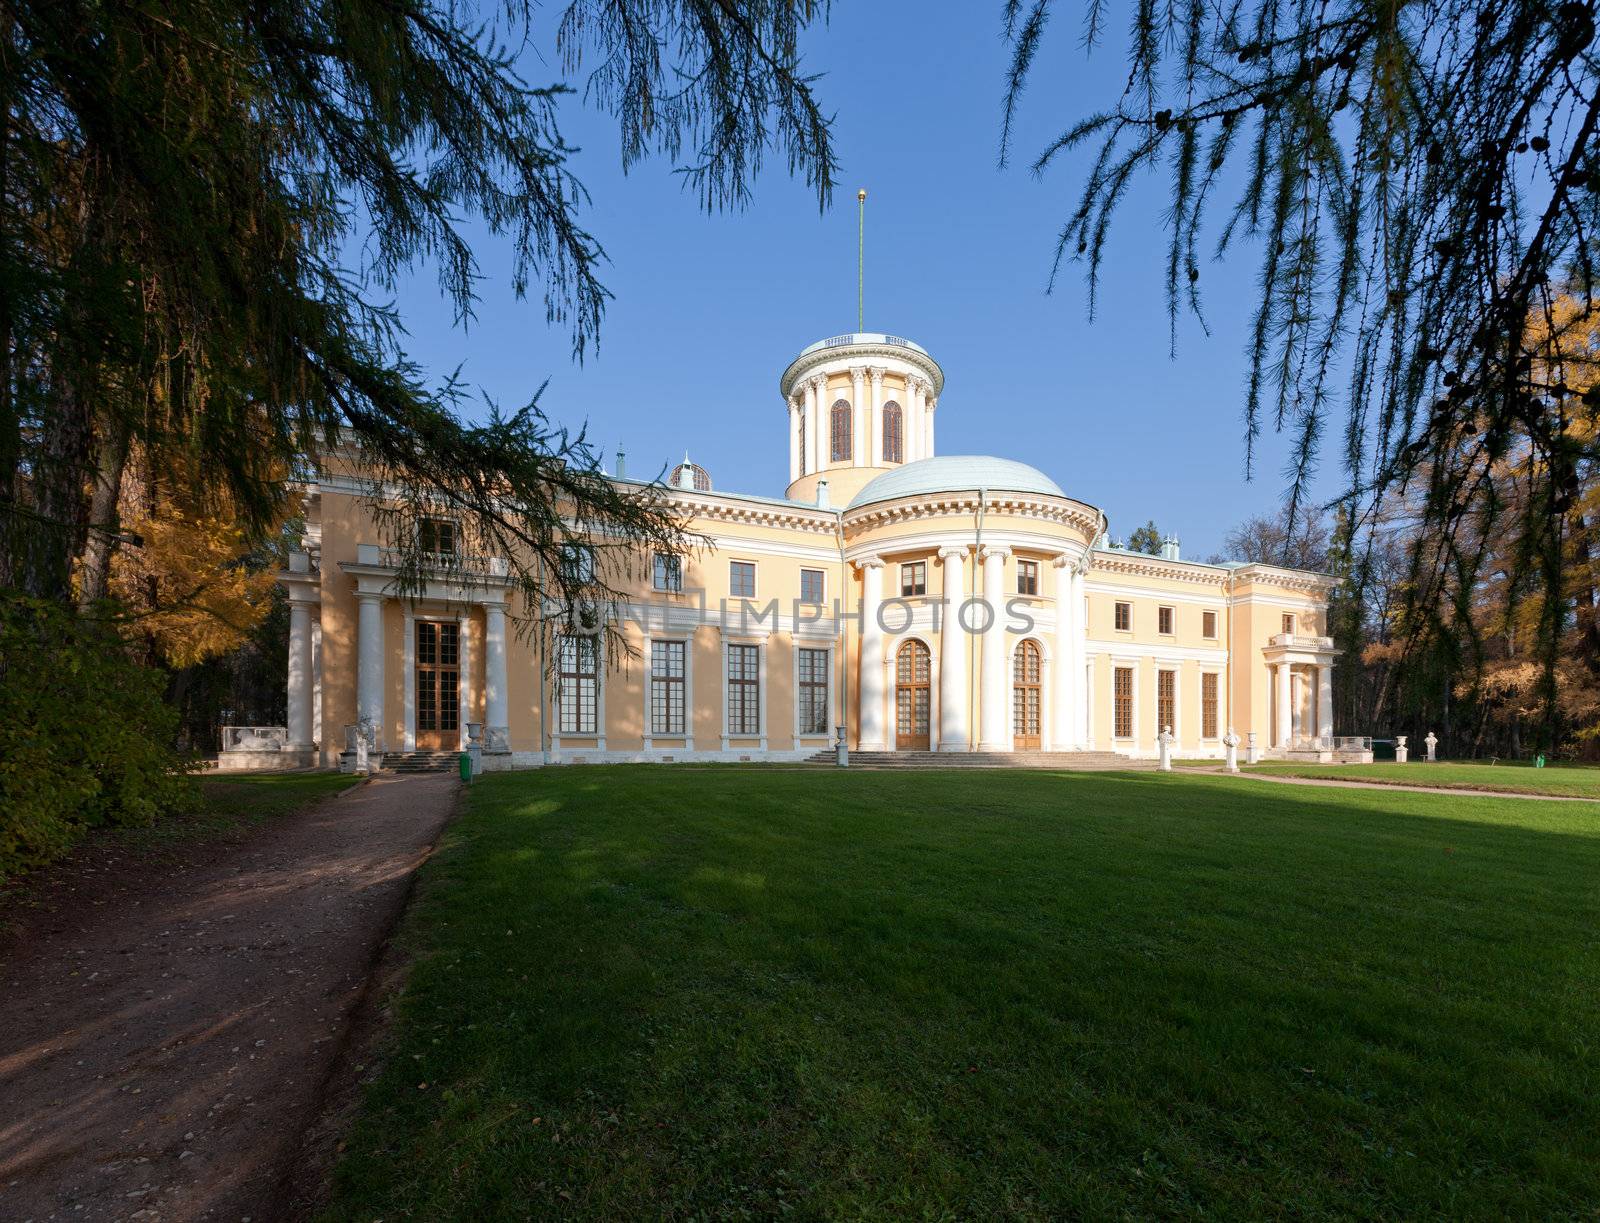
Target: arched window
[(893, 434), (1026, 695), (839, 422)]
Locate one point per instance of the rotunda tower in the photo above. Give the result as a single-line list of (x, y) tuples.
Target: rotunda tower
[(858, 405)]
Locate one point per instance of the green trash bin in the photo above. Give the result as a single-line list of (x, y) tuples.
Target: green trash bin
[(466, 766)]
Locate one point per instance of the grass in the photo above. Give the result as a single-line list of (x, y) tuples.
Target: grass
[(1562, 781), (646, 992)]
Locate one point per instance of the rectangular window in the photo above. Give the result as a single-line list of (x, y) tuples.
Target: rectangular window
[(813, 692), (1122, 702), (1124, 617), (811, 585), (742, 579), (666, 687), (1288, 623), (1027, 577), (437, 537), (913, 579), (667, 573), (1166, 700), (577, 564), (1208, 705), (1164, 621), (577, 684), (1208, 625), (744, 690)]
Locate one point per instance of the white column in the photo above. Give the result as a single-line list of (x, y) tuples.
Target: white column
[(300, 668), (409, 654), (1082, 669), (795, 457), (369, 663), (927, 424), (871, 737), (1285, 701), (1325, 701), (316, 677), (1066, 673), (858, 415), (875, 418), (464, 681), (496, 699), (994, 702), (953, 653), (816, 410), (910, 422)]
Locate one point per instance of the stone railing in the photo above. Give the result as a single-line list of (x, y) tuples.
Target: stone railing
[(1300, 641), (1336, 743), (437, 562), (255, 738)]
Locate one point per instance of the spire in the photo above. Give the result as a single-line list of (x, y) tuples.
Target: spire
[(861, 259)]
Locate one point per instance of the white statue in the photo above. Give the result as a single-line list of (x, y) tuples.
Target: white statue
[(1400, 753), (1231, 742), (1164, 742), (1252, 752), (1432, 742)]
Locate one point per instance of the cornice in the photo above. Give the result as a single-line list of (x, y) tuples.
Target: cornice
[(847, 355), (731, 508), (1060, 511), (1138, 564)]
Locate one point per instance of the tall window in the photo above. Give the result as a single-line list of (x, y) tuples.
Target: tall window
[(813, 692), (1124, 617), (913, 579), (1122, 702), (437, 537), (1208, 625), (742, 579), (839, 428), (577, 563), (1027, 577), (1166, 700), (666, 687), (744, 690), (811, 585), (1164, 621), (893, 433), (1208, 705), (578, 684), (668, 573)]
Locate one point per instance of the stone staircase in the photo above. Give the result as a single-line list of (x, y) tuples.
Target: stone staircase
[(1075, 761), (421, 762)]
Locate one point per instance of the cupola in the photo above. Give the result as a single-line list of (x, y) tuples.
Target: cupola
[(691, 477), (858, 405)]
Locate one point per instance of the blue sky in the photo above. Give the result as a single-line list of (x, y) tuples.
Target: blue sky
[(709, 309)]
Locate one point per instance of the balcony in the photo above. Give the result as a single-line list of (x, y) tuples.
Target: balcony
[(1300, 641), (451, 564)]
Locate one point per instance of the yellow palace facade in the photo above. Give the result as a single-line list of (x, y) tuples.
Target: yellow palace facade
[(923, 602)]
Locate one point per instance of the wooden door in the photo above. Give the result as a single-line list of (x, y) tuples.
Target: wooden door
[(1026, 697), (911, 698), (438, 685)]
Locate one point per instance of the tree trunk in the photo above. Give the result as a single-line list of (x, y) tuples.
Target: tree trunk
[(52, 527), (103, 530)]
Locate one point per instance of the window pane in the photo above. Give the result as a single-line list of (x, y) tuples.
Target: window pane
[(813, 682), (1124, 617), (1208, 705), (744, 695), (892, 433), (1164, 620), (1208, 624), (841, 428), (668, 572), (811, 585), (1166, 684), (1122, 700), (742, 579)]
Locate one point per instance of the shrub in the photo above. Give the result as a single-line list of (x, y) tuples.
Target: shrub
[(85, 737)]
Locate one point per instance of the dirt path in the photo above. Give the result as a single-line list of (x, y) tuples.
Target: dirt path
[(163, 1054), (1402, 786)]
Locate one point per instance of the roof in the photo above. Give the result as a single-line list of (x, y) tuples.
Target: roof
[(954, 472)]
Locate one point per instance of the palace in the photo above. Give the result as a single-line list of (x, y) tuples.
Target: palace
[(924, 602)]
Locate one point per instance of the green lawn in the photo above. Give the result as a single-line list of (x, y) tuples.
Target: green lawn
[(647, 992), (1566, 781)]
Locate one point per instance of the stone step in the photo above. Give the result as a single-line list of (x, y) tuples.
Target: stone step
[(421, 762)]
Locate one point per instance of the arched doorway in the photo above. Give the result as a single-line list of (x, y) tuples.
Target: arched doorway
[(1026, 696), (911, 698)]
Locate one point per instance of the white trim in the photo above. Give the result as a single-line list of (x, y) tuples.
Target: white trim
[(1160, 651), (646, 650), (409, 654)]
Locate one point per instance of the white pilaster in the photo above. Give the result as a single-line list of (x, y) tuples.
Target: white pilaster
[(300, 674), (496, 698), (316, 677), (992, 708), (953, 652), (369, 663), (858, 416), (875, 418), (872, 736), (1066, 674), (1325, 701), (927, 426), (408, 654), (796, 415), (816, 411), (1285, 706), (464, 677)]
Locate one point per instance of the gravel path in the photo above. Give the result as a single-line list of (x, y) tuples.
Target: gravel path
[(1458, 791), (163, 1051)]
